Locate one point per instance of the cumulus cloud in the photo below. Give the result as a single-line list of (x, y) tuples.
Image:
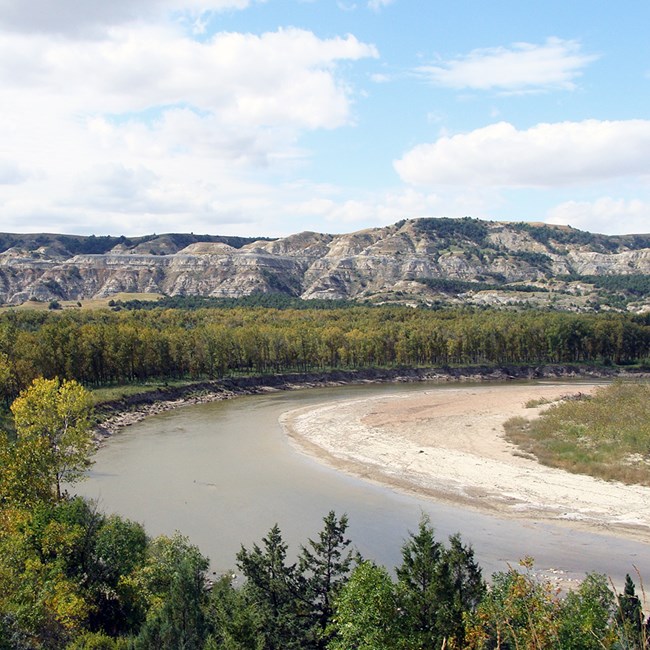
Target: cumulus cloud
[(523, 67), (605, 215), (286, 76), (562, 153), (147, 121), (94, 17), (388, 207)]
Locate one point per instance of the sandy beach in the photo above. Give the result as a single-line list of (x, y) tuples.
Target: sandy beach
[(449, 445)]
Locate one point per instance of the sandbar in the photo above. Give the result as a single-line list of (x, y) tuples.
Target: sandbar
[(448, 444)]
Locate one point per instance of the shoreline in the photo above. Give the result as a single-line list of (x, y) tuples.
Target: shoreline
[(449, 446), (454, 488), (115, 415)]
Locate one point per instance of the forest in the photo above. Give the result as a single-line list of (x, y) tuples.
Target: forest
[(73, 577), (105, 347)]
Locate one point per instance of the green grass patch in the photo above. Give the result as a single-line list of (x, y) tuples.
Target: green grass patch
[(606, 435), (113, 393)]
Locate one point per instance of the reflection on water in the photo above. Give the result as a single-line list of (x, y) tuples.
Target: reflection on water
[(223, 474)]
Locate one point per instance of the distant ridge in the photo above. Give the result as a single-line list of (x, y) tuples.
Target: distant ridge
[(417, 261)]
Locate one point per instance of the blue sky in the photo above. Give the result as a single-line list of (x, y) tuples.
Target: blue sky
[(251, 117)]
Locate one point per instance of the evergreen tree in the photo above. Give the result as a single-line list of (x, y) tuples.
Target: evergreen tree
[(461, 588), (419, 576), (630, 617), (439, 585), (180, 623), (325, 566), (234, 618), (277, 591)]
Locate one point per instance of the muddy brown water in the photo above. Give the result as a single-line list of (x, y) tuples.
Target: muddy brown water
[(224, 473)]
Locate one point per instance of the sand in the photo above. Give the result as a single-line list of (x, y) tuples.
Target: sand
[(449, 445)]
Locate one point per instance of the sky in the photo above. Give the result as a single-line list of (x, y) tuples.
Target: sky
[(272, 117)]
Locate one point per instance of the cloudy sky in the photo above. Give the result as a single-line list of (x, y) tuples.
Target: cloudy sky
[(269, 117)]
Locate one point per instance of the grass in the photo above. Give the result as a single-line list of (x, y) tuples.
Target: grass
[(95, 303), (606, 435), (112, 393), (534, 403)]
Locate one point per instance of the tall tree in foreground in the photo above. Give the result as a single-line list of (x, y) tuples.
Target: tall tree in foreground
[(275, 589), (367, 613), (52, 421), (439, 586), (419, 576), (325, 566), (630, 618)]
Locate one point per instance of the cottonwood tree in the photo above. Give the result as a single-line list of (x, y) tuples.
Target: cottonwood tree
[(367, 614), (52, 420), (519, 611)]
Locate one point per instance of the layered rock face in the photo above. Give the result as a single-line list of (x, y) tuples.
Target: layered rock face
[(399, 262)]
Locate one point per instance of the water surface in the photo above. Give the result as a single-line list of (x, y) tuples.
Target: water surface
[(224, 474)]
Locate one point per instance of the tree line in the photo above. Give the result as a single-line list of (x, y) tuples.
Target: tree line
[(106, 347)]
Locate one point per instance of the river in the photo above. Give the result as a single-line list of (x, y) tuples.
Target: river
[(224, 473)]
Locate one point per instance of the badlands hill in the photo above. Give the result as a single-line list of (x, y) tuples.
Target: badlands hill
[(419, 261)]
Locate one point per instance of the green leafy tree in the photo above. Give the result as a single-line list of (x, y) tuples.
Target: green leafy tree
[(586, 616), (6, 378), (25, 476), (235, 620), (367, 613), (52, 421), (180, 623), (41, 598), (519, 612), (118, 549), (172, 584)]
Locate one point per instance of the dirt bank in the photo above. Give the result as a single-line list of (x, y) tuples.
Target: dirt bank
[(114, 415)]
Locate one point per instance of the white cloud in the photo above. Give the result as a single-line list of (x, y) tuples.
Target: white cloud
[(149, 122), (288, 76), (523, 67), (605, 215), (385, 208), (376, 5), (12, 174), (545, 155), (93, 17)]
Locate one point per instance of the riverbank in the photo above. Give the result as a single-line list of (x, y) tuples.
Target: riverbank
[(114, 415), (449, 445)]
